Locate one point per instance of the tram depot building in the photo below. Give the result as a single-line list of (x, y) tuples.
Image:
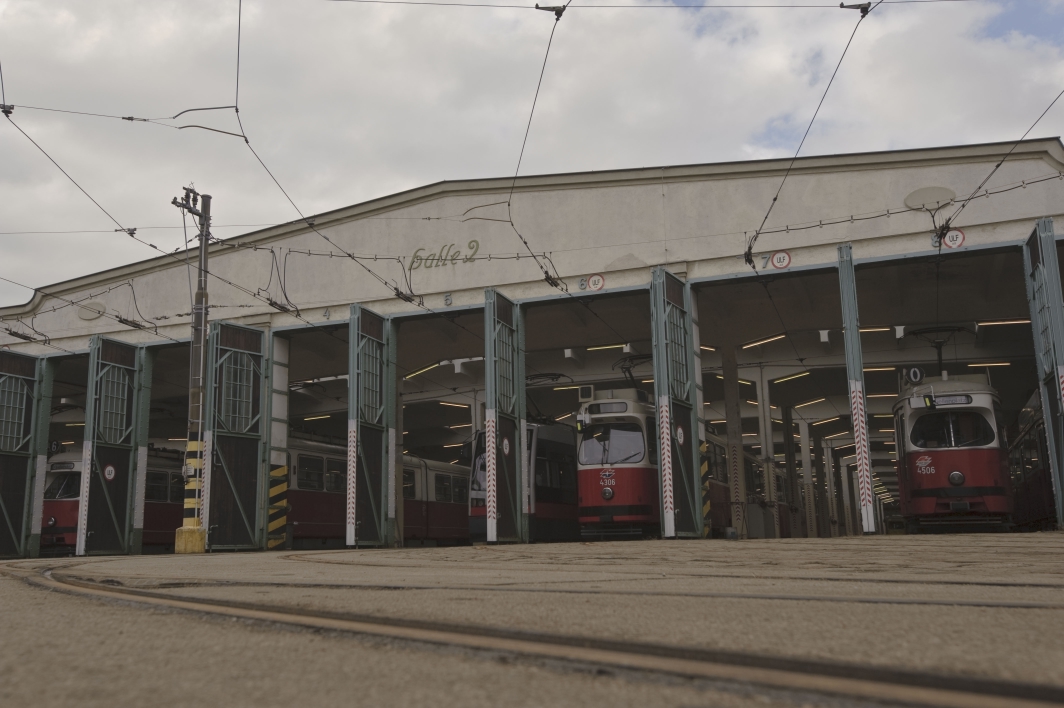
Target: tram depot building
[(774, 386)]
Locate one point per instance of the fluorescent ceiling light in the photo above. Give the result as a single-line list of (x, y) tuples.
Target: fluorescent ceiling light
[(565, 388), (708, 349), (563, 417), (74, 425), (455, 405), (791, 378), (836, 435), (989, 363), (455, 427), (455, 445), (874, 329), (991, 323), (607, 346), (879, 368), (430, 367), (759, 342), (317, 417), (882, 395), (827, 420), (809, 403)]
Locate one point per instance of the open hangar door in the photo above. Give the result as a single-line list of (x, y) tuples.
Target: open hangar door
[(775, 391), (585, 355), (441, 474), (953, 386)]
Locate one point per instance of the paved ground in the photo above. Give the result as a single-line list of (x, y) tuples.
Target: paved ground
[(986, 605)]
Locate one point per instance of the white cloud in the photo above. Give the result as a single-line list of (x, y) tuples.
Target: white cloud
[(347, 102)]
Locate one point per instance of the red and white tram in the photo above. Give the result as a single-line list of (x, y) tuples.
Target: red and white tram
[(618, 465), (164, 496), (952, 466), (434, 497)]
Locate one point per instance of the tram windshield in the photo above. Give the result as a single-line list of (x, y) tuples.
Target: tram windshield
[(64, 486), (612, 444), (951, 429)]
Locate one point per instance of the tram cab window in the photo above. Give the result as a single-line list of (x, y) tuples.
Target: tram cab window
[(612, 444), (311, 473), (443, 487), (409, 487), (335, 475), (64, 486), (951, 429)]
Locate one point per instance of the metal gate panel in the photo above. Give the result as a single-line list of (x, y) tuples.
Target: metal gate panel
[(370, 429), (504, 418), (233, 437), (19, 394), (677, 374), (851, 333), (109, 448), (1047, 326)]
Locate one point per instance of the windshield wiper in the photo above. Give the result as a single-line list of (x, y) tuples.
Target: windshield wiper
[(617, 462)]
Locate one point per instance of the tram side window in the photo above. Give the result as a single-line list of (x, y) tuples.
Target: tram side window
[(64, 486), (459, 490), (409, 488), (311, 473), (157, 486), (335, 475), (443, 487), (951, 429)]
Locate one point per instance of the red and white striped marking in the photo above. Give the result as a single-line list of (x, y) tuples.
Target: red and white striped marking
[(665, 434), (864, 455), (490, 453), (352, 480)]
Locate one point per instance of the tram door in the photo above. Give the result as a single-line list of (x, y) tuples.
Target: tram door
[(108, 460), (20, 384), (370, 430), (1042, 273), (507, 495), (677, 389), (233, 439)]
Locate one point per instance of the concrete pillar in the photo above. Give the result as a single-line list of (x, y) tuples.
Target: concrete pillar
[(768, 449), (734, 424), (807, 480), (140, 440), (791, 463), (46, 369), (829, 489), (847, 506)]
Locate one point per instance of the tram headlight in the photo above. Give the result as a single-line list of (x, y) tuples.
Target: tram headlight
[(956, 478), (51, 521), (607, 493)]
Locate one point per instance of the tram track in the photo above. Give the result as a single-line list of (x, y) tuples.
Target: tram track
[(851, 680)]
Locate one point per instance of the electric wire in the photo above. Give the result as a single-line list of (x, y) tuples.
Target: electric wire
[(662, 6), (749, 255)]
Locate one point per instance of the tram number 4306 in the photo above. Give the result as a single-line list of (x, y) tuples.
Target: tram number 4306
[(606, 478)]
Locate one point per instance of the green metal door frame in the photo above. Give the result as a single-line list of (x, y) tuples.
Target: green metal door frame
[(371, 393), (108, 456), (504, 420), (677, 383), (1042, 277), (20, 399), (234, 437)]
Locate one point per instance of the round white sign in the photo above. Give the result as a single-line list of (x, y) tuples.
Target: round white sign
[(780, 259), (679, 435), (596, 282), (506, 446), (954, 238), (109, 472)]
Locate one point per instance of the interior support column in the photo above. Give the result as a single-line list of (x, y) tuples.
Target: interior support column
[(768, 449), (847, 510), (734, 423), (807, 480), (791, 464), (829, 489)]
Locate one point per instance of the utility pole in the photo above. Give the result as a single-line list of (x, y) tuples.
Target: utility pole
[(192, 536)]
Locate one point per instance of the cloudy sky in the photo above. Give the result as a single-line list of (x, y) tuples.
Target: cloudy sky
[(349, 101)]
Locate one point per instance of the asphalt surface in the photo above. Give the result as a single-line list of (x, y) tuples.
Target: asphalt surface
[(979, 605)]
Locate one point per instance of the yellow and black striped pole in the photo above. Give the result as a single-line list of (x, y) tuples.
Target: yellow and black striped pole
[(277, 529)]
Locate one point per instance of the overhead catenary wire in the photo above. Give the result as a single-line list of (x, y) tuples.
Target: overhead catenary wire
[(749, 254)]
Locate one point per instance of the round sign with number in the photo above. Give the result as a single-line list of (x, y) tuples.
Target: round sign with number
[(780, 259), (954, 238), (506, 446), (109, 473), (679, 435), (914, 374), (596, 282)]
